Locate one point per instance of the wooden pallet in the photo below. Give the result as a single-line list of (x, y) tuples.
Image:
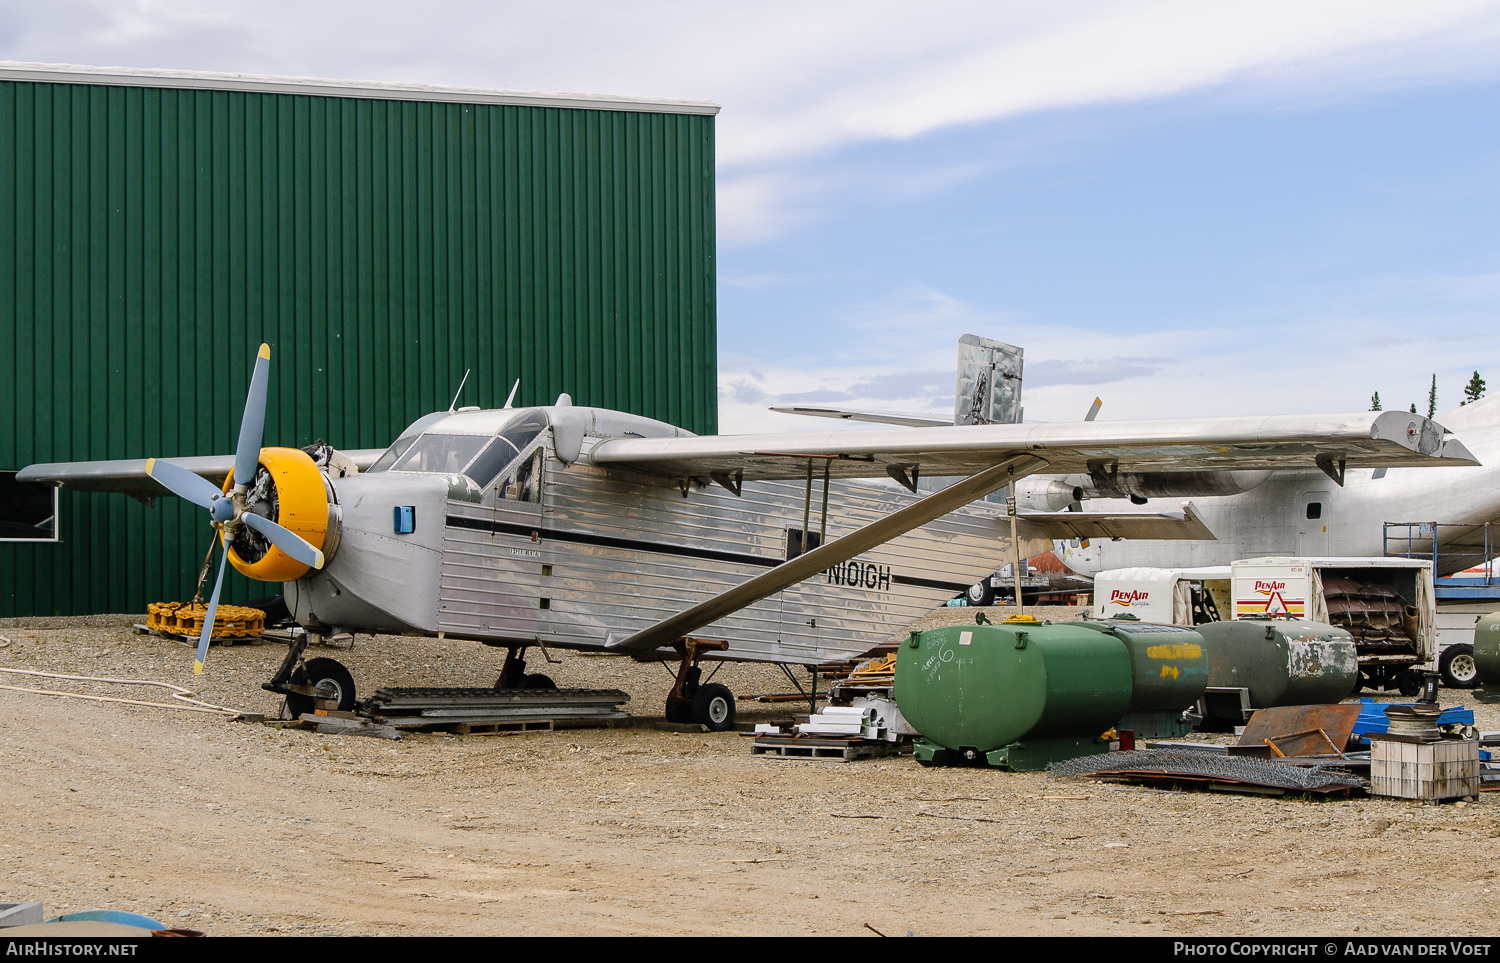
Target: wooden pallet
[(819, 747), (495, 728)]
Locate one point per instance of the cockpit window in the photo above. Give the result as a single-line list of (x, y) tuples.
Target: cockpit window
[(440, 454), (512, 441), (407, 439), (481, 457), (492, 462)]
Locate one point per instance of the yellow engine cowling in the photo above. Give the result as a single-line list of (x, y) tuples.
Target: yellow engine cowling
[(302, 506)]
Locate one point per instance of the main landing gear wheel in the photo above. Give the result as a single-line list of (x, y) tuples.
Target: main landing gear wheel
[(980, 593), (1458, 668), (329, 677), (713, 706)]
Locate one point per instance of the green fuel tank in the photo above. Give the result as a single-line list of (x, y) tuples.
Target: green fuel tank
[(1487, 652), (1169, 671), (1021, 694), (1282, 662)]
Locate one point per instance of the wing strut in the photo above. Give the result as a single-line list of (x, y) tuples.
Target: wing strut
[(839, 550)]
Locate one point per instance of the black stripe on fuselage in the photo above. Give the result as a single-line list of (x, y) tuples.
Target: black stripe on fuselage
[(534, 532)]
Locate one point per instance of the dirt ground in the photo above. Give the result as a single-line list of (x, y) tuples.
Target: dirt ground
[(235, 828)]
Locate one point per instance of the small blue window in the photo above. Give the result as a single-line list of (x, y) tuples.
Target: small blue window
[(406, 519)]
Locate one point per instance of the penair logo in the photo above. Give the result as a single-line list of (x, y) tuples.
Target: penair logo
[(860, 575), (1129, 598), (1266, 588)]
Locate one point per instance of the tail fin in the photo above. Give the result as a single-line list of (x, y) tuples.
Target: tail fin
[(989, 383)]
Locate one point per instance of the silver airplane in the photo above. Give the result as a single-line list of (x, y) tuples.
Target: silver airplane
[(1300, 513), (574, 527)]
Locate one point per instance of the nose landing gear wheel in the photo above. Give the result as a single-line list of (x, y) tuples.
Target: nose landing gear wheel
[(329, 677)]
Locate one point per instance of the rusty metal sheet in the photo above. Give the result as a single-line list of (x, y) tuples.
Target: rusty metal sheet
[(1336, 721), (1313, 742)]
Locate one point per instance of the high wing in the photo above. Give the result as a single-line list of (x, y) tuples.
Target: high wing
[(129, 475), (995, 455), (1286, 442)]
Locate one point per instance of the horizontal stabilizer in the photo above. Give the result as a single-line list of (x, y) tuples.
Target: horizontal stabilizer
[(1165, 525)]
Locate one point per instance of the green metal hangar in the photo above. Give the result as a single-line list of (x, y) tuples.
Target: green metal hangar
[(157, 226)]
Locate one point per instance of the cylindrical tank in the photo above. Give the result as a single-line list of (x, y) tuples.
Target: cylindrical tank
[(1167, 663), (1487, 650), (1283, 662), (983, 687)]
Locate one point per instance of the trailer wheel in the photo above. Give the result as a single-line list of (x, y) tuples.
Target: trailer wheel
[(1458, 668), (327, 675), (1409, 683), (980, 593), (713, 706)]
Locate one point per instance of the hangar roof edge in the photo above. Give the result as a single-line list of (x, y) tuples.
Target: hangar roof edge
[(321, 87)]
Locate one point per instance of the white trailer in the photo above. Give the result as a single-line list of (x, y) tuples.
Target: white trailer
[(1169, 596), (1387, 604)]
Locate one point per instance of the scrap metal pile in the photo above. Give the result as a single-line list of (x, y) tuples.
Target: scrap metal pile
[(1213, 770)]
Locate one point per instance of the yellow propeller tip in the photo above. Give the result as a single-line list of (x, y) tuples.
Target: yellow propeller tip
[(318, 563), (197, 667), (149, 463), (265, 351)]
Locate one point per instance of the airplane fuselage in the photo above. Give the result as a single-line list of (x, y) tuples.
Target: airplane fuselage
[(585, 556)]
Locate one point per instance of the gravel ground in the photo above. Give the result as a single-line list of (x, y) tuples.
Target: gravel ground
[(236, 828)]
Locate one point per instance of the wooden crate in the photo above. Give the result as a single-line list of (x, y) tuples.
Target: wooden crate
[(1424, 770)]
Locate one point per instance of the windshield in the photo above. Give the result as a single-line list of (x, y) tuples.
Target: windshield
[(441, 454), (407, 439), (481, 457)]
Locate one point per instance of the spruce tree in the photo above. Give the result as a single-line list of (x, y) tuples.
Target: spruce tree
[(1432, 398), (1474, 390), (1375, 401)]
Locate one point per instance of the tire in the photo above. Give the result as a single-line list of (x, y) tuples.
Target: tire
[(1458, 668), (1409, 683), (678, 711), (328, 675), (980, 593), (713, 706), (538, 681)]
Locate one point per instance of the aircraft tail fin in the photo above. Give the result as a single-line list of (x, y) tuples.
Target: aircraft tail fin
[(989, 383)]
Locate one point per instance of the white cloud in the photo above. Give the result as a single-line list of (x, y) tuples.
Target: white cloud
[(797, 80)]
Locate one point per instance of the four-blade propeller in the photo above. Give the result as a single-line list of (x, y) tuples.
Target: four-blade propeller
[(228, 510)]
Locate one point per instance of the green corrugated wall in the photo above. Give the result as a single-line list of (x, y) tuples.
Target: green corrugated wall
[(152, 238)]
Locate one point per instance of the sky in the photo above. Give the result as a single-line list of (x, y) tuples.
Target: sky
[(1179, 207)]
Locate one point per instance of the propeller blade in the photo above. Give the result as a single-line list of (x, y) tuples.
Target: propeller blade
[(183, 483), (208, 620), (285, 539), (252, 427), (1094, 411)]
